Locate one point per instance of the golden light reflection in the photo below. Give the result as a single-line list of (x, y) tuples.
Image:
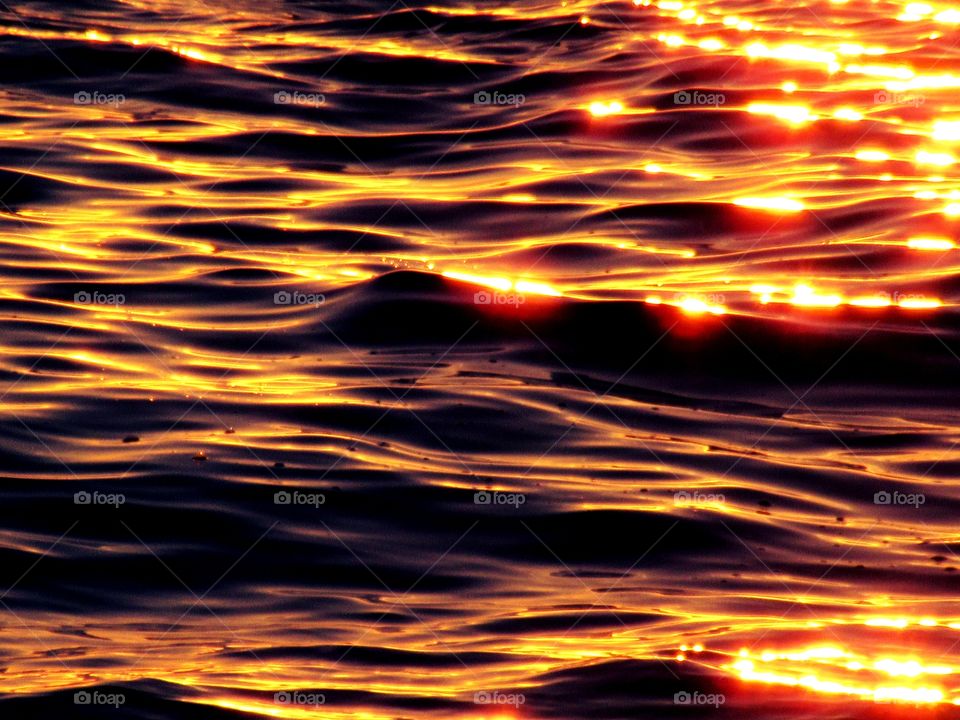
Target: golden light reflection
[(940, 159), (119, 230), (924, 243), (603, 109), (872, 156), (794, 114), (880, 669), (803, 295), (782, 204), (503, 284)]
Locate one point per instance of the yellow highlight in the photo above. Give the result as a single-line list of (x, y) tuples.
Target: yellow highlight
[(930, 244), (671, 40), (806, 669), (848, 114), (784, 204), (497, 283), (915, 12), (806, 296), (691, 306), (887, 622), (946, 130), (794, 114), (919, 303), (696, 306), (96, 36), (950, 16), (536, 288), (603, 109), (909, 668), (898, 72), (872, 156), (939, 159), (795, 52), (504, 284), (874, 301)]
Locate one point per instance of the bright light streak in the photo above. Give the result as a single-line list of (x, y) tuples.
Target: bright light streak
[(939, 159), (919, 243), (806, 296), (770, 203), (603, 109), (872, 156), (795, 114)]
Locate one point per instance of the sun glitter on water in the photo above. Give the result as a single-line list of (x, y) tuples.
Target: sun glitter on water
[(875, 660)]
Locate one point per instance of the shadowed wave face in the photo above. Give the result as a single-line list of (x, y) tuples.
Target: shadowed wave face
[(479, 360)]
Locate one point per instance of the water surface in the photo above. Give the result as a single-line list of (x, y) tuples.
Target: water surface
[(509, 360)]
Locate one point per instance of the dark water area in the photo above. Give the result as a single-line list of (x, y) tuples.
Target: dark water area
[(488, 361)]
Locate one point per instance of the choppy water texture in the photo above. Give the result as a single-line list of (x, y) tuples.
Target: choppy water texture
[(508, 360)]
